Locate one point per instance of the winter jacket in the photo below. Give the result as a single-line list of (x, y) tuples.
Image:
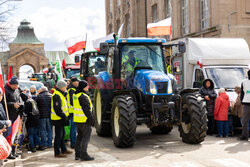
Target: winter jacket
[(221, 107), (212, 95), (237, 109), (84, 102), (43, 101), (12, 96), (57, 102), (3, 118), (32, 120)]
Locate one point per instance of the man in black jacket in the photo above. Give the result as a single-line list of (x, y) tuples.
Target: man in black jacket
[(209, 94), (59, 117), (44, 106), (74, 82), (14, 105), (84, 120)]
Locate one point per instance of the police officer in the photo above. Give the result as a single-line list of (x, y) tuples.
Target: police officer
[(71, 91), (84, 120), (245, 100), (59, 117)]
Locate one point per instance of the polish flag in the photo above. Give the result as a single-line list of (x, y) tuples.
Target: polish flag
[(75, 44), (97, 42), (1, 78), (162, 27)]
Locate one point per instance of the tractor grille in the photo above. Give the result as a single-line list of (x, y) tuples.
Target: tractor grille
[(161, 87)]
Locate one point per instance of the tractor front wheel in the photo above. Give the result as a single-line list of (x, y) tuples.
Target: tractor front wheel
[(193, 123), (123, 121)]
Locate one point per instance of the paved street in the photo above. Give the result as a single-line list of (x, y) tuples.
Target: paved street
[(151, 151)]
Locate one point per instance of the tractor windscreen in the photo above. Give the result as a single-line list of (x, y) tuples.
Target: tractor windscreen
[(96, 64), (226, 77), (146, 55)]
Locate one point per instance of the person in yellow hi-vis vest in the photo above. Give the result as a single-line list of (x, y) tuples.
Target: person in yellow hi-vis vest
[(84, 120), (71, 91), (59, 118)]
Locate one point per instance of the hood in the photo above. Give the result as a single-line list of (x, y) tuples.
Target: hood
[(211, 81), (144, 77), (224, 96)]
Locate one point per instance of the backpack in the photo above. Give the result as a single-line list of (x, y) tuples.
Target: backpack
[(35, 110)]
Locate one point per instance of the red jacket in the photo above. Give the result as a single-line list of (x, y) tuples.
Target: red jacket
[(221, 107)]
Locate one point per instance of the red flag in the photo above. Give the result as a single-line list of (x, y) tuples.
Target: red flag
[(64, 64), (75, 44), (10, 74), (1, 78)]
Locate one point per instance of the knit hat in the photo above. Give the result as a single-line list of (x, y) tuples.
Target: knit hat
[(82, 85), (74, 79), (33, 86), (44, 89), (221, 90), (61, 84), (13, 81)]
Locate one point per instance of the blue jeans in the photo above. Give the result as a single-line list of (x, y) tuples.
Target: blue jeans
[(72, 132), (222, 128), (34, 137), (46, 132)]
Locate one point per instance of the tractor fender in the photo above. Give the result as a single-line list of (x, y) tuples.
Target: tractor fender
[(189, 90)]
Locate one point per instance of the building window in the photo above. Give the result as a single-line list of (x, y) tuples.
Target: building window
[(128, 3), (168, 8), (154, 13), (127, 26), (204, 8), (184, 13), (110, 8), (118, 2)]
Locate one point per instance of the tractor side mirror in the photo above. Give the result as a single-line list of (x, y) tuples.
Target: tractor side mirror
[(182, 47), (104, 48), (77, 58)]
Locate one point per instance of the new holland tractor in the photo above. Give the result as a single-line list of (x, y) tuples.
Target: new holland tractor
[(136, 89)]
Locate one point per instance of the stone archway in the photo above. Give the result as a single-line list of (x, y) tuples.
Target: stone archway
[(25, 71)]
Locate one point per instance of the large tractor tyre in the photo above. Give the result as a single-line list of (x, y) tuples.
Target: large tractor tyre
[(123, 121), (100, 113), (193, 125), (161, 129)]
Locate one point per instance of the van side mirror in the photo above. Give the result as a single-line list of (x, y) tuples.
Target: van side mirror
[(77, 58), (182, 47), (104, 48), (196, 84)]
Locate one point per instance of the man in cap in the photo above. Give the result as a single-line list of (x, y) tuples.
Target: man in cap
[(59, 117), (74, 82), (84, 120), (14, 106)]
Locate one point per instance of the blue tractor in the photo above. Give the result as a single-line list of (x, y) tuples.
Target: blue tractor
[(136, 89)]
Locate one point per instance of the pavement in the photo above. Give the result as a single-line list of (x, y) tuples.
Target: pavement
[(149, 151)]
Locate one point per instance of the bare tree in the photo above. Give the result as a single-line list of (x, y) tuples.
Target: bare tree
[(6, 10)]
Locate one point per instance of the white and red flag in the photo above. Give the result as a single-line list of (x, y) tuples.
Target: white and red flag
[(162, 27), (75, 44)]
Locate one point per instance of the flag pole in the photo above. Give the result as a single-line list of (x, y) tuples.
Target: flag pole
[(6, 108)]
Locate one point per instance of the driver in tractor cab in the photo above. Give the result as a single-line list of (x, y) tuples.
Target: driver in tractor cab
[(99, 65), (168, 65), (130, 61)]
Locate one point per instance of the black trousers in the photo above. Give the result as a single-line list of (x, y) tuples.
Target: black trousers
[(245, 120), (83, 136), (59, 144), (210, 125)]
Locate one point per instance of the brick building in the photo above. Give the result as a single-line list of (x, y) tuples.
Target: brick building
[(190, 18), (135, 15), (211, 18)]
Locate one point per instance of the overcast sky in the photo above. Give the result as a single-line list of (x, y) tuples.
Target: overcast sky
[(55, 21)]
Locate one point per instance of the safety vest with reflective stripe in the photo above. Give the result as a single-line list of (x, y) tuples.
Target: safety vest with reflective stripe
[(64, 106), (169, 69), (129, 67), (79, 115), (70, 107)]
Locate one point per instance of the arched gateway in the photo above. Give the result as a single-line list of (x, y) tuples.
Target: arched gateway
[(25, 49)]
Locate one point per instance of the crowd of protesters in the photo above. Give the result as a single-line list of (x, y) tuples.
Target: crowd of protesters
[(220, 110), (38, 110)]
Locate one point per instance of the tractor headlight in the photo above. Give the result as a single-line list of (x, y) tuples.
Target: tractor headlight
[(170, 90), (152, 87)]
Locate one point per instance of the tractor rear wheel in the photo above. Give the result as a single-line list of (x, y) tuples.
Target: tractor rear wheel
[(193, 124), (102, 128), (161, 129), (123, 121)]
